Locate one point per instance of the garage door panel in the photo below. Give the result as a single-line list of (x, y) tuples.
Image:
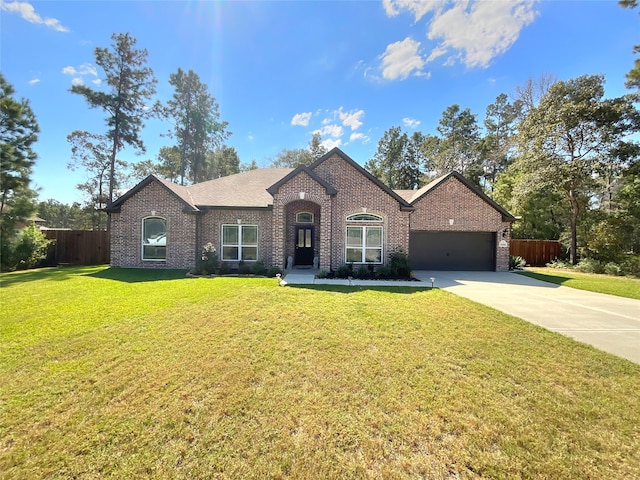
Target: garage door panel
[(452, 250)]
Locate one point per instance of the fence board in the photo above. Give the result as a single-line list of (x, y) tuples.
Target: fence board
[(537, 253), (78, 247)]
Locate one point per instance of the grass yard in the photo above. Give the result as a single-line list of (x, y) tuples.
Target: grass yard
[(612, 285), (137, 374)]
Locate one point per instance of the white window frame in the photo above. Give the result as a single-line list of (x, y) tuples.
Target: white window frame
[(160, 242), (240, 246), (368, 218), (304, 221), (363, 248)]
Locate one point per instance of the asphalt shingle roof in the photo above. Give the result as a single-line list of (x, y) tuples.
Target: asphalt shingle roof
[(247, 189)]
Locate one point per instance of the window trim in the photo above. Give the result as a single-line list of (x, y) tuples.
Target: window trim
[(373, 218), (363, 248), (304, 221), (142, 239), (239, 245)]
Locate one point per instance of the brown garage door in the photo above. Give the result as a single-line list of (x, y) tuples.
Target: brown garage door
[(452, 250)]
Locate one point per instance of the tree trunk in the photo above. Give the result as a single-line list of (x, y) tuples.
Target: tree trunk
[(575, 210)]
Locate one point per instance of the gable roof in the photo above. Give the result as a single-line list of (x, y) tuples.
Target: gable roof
[(404, 205), (247, 189), (421, 192), (330, 189), (179, 191)]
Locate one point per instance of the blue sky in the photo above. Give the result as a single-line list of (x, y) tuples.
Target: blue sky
[(283, 70)]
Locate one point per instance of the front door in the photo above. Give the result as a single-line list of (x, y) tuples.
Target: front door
[(304, 246)]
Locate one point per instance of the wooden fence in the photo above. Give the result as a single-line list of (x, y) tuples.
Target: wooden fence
[(537, 253), (78, 247)]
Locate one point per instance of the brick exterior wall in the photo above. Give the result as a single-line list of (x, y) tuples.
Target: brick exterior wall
[(355, 192), (187, 233), (126, 230), (210, 229), (286, 202), (452, 200)]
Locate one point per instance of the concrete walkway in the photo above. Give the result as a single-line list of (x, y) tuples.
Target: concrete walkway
[(607, 322)]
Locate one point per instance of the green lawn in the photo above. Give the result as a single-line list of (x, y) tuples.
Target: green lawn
[(620, 286), (137, 374)]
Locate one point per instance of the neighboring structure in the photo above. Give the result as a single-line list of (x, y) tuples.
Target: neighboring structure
[(329, 213)]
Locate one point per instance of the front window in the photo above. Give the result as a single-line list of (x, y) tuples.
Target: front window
[(239, 243), (364, 244), (154, 238)]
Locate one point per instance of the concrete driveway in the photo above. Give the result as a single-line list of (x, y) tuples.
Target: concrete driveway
[(607, 322)]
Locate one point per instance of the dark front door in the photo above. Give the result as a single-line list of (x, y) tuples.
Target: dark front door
[(304, 246)]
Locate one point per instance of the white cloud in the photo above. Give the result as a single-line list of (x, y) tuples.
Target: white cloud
[(84, 70), (480, 31), (33, 81), (410, 122), (333, 130), (402, 59), (419, 8), (28, 13), (331, 143), (351, 119), (359, 136), (472, 32), (301, 119)]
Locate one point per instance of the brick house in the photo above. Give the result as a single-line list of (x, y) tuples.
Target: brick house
[(327, 214)]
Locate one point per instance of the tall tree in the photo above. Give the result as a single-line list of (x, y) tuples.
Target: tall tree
[(130, 87), (458, 147), (18, 132), (222, 162), (167, 165), (397, 160), (92, 153), (497, 147), (633, 77), (570, 138), (292, 158), (197, 125), (316, 148)]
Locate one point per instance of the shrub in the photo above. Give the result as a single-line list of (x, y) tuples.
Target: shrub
[(244, 268), (557, 263), (273, 271), (631, 265), (345, 271), (225, 268), (612, 268), (364, 272), (516, 262), (208, 260), (28, 250), (383, 272), (258, 268), (589, 265), (399, 263), (322, 274)]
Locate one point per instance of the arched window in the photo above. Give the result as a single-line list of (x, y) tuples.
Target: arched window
[(154, 238), (364, 217), (304, 217), (364, 242)]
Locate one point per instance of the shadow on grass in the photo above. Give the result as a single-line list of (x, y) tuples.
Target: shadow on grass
[(137, 275), (545, 278), (346, 289), (47, 274)]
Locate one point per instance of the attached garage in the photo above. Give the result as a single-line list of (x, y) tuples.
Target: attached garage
[(452, 250)]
